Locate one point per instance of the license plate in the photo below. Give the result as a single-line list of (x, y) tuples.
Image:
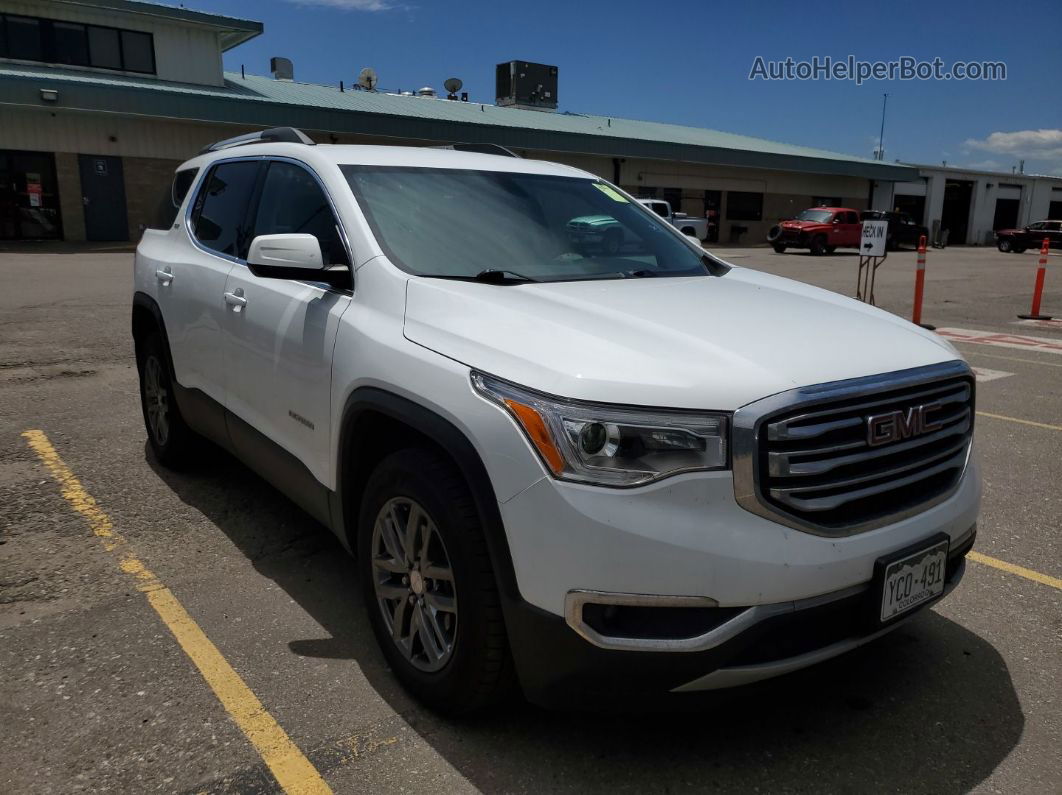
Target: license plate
[(912, 579)]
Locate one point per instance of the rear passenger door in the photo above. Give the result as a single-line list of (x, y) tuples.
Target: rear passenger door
[(191, 284), (279, 338)]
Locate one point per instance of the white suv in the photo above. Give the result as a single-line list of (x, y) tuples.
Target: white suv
[(596, 471)]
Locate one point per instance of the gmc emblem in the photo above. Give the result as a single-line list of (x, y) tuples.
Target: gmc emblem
[(899, 425)]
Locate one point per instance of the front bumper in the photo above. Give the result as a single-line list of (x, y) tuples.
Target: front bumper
[(559, 668)]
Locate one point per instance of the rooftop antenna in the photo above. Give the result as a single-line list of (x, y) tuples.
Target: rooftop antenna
[(881, 135), (367, 78), (452, 86)]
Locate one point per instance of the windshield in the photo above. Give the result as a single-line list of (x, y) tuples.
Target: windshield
[(819, 216), (457, 223)]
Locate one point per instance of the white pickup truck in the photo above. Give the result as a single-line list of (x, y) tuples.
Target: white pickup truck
[(687, 224)]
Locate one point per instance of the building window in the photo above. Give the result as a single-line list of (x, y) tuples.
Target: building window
[(138, 53), (744, 206), (23, 39), (826, 201), (73, 44), (105, 47)]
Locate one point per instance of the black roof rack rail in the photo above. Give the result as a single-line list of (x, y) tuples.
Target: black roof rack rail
[(483, 149), (288, 135)]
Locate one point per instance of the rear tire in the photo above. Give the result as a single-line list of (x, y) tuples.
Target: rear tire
[(774, 233), (171, 440), (818, 245), (430, 588)]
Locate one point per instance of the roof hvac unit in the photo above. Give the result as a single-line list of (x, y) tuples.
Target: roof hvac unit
[(282, 69), (526, 85)]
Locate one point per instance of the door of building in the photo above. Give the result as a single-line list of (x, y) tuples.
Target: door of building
[(103, 194), (29, 197), (955, 214), (1006, 215), (713, 204)]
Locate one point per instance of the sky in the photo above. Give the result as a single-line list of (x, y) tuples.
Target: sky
[(689, 63)]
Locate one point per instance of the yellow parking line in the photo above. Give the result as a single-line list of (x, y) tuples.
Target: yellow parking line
[(293, 771), (1021, 571), (1022, 422)]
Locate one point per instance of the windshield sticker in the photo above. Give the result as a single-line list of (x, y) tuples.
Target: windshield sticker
[(611, 192)]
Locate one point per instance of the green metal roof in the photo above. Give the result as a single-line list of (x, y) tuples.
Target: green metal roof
[(233, 29), (261, 101)]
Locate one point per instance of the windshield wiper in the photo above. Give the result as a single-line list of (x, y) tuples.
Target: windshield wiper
[(489, 276), (495, 276)]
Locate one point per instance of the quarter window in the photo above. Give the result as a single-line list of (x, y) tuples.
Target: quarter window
[(293, 203), (219, 218), (171, 200)]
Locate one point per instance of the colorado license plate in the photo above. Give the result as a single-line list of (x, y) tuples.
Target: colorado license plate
[(913, 579)]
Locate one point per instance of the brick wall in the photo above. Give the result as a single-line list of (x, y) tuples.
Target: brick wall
[(146, 181), (70, 207)]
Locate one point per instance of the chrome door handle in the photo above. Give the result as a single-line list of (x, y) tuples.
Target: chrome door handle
[(235, 299), (164, 275)]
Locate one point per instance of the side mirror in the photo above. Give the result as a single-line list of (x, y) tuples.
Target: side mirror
[(293, 256), (300, 252)]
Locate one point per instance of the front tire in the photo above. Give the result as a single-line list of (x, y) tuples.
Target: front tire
[(818, 245), (429, 586), (171, 440), (778, 248), (1005, 245)]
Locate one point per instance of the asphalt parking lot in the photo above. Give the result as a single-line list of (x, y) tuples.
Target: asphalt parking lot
[(101, 689)]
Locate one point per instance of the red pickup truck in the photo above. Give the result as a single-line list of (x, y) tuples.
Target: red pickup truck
[(821, 229)]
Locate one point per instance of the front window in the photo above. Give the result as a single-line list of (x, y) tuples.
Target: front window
[(817, 216), (460, 224)]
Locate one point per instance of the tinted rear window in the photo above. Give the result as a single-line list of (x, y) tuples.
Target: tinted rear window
[(220, 216)]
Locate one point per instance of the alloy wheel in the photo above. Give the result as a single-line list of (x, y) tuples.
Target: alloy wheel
[(414, 584), (156, 401)]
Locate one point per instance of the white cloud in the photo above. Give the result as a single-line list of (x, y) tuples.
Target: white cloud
[(350, 5), (1033, 144)]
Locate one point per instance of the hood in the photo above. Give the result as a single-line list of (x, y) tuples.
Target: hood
[(699, 342), (802, 224)]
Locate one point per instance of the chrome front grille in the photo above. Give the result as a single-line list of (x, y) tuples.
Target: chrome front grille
[(843, 457)]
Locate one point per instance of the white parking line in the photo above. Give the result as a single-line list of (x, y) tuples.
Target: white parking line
[(984, 375), (1018, 341), (1053, 323)]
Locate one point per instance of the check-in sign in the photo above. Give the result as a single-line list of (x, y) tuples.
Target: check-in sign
[(872, 242)]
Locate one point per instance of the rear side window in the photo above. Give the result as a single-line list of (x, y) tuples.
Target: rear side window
[(170, 203), (851, 218), (293, 202), (219, 219)]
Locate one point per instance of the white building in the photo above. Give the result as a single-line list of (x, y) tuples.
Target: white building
[(972, 204)]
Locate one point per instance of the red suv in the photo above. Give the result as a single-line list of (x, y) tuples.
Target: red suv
[(821, 229)]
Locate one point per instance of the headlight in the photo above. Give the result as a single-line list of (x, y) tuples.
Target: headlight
[(611, 445)]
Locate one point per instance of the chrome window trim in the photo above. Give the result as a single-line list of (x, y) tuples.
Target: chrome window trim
[(749, 419), (197, 186)]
